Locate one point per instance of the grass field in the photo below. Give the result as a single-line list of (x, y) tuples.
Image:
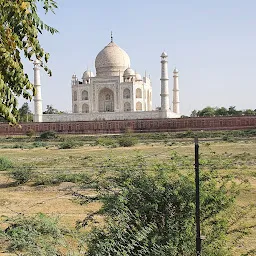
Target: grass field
[(59, 173)]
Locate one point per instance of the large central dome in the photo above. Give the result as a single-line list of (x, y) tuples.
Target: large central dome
[(111, 61)]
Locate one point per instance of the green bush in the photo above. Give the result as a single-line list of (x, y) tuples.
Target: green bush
[(106, 141), (48, 135), (62, 177), (68, 144), (39, 144), (18, 146), (38, 235), (30, 133), (21, 175), (5, 164), (228, 138), (153, 213), (127, 141)]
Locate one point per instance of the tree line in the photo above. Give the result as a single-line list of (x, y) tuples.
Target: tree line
[(222, 111)]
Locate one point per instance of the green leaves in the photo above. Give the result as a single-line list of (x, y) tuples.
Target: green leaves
[(19, 28), (150, 211)]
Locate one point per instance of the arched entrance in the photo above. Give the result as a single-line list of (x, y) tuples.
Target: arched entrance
[(106, 100)]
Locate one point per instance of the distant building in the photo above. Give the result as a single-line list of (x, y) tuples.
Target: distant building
[(116, 92)]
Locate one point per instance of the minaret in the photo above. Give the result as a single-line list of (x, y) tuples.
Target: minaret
[(164, 83), (38, 109), (176, 92)]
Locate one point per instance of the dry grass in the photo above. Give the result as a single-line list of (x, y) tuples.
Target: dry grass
[(58, 199)]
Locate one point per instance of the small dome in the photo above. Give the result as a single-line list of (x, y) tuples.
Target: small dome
[(164, 55), (138, 77), (111, 61), (129, 72), (87, 74), (175, 70)]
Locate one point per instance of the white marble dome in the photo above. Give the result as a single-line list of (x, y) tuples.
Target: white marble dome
[(129, 72), (111, 61), (87, 74), (138, 77)]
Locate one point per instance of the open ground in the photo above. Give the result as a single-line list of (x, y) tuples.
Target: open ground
[(62, 169)]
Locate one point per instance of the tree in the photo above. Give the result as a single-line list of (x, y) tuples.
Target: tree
[(249, 112), (208, 111), (25, 114), (51, 110), (221, 111), (232, 111), (194, 113), (19, 29)]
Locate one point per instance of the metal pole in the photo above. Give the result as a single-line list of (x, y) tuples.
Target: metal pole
[(198, 235)]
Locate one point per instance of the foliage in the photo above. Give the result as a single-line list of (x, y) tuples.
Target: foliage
[(127, 141), (68, 144), (21, 175), (51, 110), (25, 114), (20, 26), (39, 144), (151, 212), (62, 177), (48, 135), (30, 133), (106, 141), (37, 236), (222, 111), (5, 164)]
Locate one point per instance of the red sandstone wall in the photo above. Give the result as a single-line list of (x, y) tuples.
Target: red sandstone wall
[(152, 125)]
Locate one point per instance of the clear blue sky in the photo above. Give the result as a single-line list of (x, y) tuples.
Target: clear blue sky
[(212, 43)]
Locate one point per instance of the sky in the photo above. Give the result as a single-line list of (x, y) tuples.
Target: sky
[(212, 43)]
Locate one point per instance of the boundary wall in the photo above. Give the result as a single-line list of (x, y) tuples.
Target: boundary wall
[(145, 125)]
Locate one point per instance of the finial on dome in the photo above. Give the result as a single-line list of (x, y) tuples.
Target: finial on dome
[(164, 55), (111, 37), (175, 70)]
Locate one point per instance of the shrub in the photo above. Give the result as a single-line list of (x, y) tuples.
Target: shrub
[(39, 144), (127, 141), (18, 146), (48, 135), (38, 235), (228, 138), (106, 141), (68, 144), (30, 133), (62, 177), (153, 214), (21, 175), (5, 164)]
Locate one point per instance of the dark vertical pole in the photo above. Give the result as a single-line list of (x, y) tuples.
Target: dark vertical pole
[(198, 236)]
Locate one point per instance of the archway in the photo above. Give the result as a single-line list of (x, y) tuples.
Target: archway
[(106, 100), (85, 108), (84, 95), (75, 108), (138, 106), (126, 94), (127, 106), (75, 95), (138, 93)]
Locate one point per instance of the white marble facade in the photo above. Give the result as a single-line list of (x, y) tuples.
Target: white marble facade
[(115, 88), (117, 92)]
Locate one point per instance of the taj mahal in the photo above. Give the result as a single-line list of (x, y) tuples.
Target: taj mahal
[(115, 92)]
